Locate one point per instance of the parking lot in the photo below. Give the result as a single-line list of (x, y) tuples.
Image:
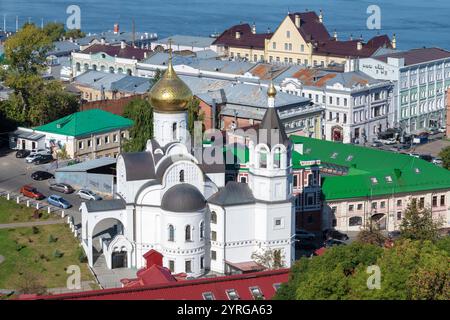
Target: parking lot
[(14, 173)]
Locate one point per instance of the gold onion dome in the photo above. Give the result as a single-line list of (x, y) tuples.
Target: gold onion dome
[(170, 94), (272, 92)]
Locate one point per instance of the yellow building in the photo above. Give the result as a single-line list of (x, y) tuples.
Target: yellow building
[(301, 38)]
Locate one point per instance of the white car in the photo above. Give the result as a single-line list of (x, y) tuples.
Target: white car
[(388, 141), (40, 151), (31, 157), (88, 195), (437, 161), (442, 130)]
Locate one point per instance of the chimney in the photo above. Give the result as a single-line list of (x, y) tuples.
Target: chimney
[(123, 44), (238, 35), (268, 30), (335, 35), (298, 21), (254, 28), (394, 41), (321, 16), (102, 41), (359, 45), (116, 28), (145, 55), (351, 37)]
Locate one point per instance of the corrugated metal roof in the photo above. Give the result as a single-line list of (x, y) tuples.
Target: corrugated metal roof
[(183, 40), (88, 165)]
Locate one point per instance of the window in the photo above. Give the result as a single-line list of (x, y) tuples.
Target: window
[(288, 34), (382, 204), (354, 221), (116, 138), (213, 217), (99, 141), (256, 293), (302, 48), (399, 203), (399, 215), (351, 207), (213, 235), (434, 201), (278, 222), (187, 234), (172, 266), (181, 175), (213, 255), (202, 262), (171, 233), (89, 143), (80, 145), (208, 296), (174, 131), (360, 206), (106, 139), (374, 205), (274, 45), (421, 203), (187, 266), (295, 181), (202, 230), (232, 294), (334, 223), (388, 179), (442, 200), (276, 286), (243, 179)]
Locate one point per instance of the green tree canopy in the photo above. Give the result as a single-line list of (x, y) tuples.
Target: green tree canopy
[(74, 34), (445, 156), (54, 30), (140, 111), (418, 223)]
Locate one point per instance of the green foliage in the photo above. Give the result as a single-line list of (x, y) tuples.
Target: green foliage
[(62, 153), (57, 254), (81, 256), (409, 270), (35, 230), (52, 239), (194, 114), (371, 234), (140, 111), (418, 223), (156, 77), (54, 30), (445, 156), (74, 34)]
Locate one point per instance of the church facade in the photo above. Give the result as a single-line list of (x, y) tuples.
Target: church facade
[(170, 201)]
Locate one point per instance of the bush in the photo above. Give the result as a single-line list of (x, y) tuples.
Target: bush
[(81, 256), (57, 254), (19, 247), (52, 239), (35, 230)]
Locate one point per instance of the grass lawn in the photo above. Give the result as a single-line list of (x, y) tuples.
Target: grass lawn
[(31, 255), (11, 212)]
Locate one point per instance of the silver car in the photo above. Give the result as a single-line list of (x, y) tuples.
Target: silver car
[(88, 195)]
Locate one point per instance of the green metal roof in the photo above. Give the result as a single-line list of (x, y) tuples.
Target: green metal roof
[(372, 172), (86, 122)]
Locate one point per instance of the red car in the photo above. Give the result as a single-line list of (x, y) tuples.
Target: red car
[(31, 192)]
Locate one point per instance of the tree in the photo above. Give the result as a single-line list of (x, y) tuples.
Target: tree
[(408, 270), (156, 77), (371, 234), (194, 114), (74, 34), (445, 156), (140, 111), (418, 223), (269, 258), (54, 30)]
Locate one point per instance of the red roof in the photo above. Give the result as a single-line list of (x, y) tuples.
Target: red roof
[(350, 48), (310, 27), (150, 276), (128, 52), (189, 289), (247, 38)]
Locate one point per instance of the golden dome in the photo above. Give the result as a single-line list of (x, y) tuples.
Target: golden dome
[(271, 92), (170, 94)]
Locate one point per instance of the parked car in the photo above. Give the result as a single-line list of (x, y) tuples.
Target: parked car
[(88, 195), (58, 201), (394, 234), (415, 155), (334, 234), (388, 141), (376, 144), (442, 130), (333, 242), (41, 175), (31, 192), (62, 187), (303, 234), (43, 158), (437, 161), (40, 151), (22, 153), (31, 157), (426, 157)]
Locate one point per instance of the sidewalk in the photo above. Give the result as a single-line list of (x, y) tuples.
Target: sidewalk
[(30, 224)]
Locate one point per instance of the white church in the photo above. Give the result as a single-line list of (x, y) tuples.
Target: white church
[(167, 201)]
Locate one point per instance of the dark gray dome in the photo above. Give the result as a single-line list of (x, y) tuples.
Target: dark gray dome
[(183, 198)]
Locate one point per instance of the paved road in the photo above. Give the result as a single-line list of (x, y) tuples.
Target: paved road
[(30, 224)]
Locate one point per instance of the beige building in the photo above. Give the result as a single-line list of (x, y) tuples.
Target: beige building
[(301, 38)]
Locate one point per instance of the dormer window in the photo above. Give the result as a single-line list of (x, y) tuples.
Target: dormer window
[(208, 296), (374, 180), (232, 294), (256, 293), (334, 155), (388, 179), (417, 170), (349, 158)]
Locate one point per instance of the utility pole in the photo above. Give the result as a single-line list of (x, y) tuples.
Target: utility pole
[(4, 22), (134, 32), (17, 23)]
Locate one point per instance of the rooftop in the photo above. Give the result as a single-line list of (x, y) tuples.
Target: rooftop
[(416, 56), (183, 40), (247, 39), (128, 52), (86, 122)]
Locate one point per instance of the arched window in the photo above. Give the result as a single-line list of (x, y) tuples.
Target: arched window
[(277, 158), (202, 230), (129, 72), (120, 70), (102, 68), (111, 69), (263, 155), (188, 233), (78, 66), (171, 233), (181, 175), (354, 221), (94, 67), (213, 217), (86, 67), (174, 131)]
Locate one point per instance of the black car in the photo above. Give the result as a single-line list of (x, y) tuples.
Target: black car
[(22, 153), (43, 158), (426, 157), (334, 234), (333, 242), (41, 175), (394, 234)]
